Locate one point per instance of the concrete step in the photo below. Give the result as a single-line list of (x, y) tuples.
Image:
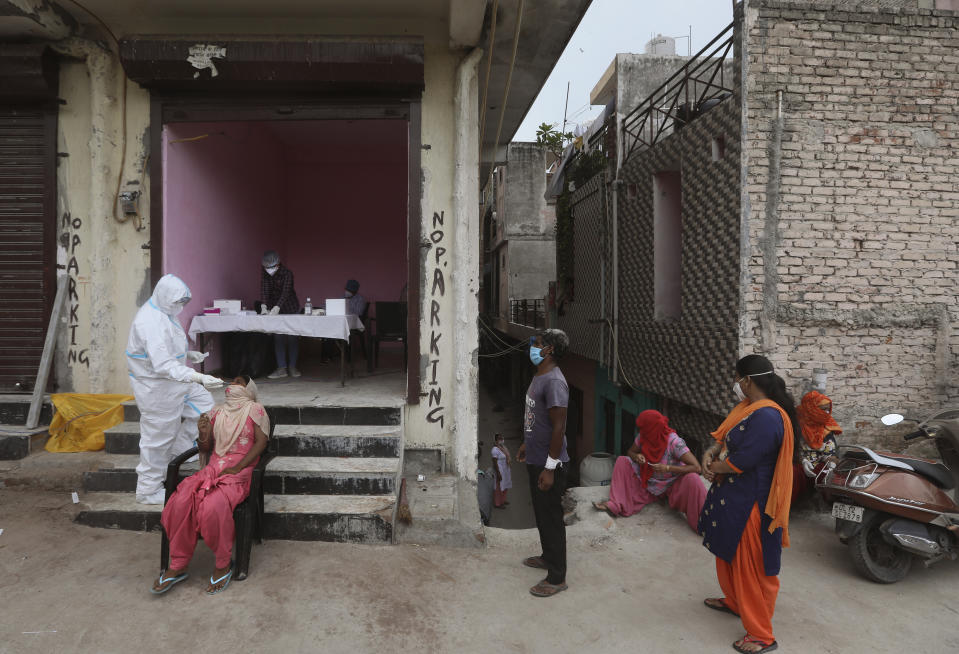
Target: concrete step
[(339, 518), (15, 407), (382, 416), (15, 443), (119, 475), (284, 475), (309, 475), (293, 440)]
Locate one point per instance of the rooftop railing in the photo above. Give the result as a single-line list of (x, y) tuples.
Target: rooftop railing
[(695, 88)]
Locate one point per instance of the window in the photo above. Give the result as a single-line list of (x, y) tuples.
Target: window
[(667, 245), (719, 148)]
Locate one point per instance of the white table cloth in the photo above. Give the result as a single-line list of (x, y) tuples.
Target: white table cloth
[(295, 324)]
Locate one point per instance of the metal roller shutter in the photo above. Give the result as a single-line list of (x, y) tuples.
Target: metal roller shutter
[(27, 217)]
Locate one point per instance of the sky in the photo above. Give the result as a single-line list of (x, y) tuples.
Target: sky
[(612, 26)]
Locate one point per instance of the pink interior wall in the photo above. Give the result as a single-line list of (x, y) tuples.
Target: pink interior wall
[(329, 196), (220, 194), (356, 226)]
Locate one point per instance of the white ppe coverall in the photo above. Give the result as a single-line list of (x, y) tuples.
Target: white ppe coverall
[(170, 402)]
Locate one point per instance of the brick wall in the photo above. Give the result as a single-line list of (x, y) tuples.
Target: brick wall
[(851, 202)]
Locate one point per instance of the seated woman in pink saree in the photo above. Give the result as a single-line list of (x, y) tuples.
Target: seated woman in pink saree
[(203, 503), (658, 465)]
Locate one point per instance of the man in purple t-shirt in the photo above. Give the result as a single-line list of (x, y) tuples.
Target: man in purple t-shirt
[(544, 452)]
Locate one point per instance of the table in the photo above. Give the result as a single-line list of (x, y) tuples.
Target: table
[(333, 327)]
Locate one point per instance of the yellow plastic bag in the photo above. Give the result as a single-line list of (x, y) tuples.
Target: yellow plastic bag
[(81, 419)]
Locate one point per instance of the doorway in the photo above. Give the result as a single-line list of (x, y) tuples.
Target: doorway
[(329, 187)]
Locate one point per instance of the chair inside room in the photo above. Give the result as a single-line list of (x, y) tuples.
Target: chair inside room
[(389, 325), (361, 337), (247, 516)]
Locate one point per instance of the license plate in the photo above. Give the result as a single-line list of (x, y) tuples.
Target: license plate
[(847, 512)]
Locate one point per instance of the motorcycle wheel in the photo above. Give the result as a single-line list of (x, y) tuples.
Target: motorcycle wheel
[(876, 559)]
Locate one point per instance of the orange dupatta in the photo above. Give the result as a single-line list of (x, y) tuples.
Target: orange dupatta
[(780, 491)]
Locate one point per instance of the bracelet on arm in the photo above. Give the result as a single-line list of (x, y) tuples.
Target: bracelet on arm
[(551, 463)]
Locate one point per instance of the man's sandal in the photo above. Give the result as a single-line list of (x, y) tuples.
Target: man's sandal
[(535, 562), (717, 604), (546, 589), (765, 647), (169, 581)]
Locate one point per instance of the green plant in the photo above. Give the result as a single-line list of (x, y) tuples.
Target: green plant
[(554, 140)]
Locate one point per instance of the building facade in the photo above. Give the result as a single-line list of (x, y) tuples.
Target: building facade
[(323, 130), (804, 209)]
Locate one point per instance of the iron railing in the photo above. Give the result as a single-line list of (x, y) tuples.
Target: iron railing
[(528, 313), (693, 89)]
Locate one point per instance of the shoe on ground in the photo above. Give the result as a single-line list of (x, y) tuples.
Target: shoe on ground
[(294, 372), (279, 373), (158, 497)]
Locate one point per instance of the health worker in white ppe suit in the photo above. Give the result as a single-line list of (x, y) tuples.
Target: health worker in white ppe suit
[(170, 395)]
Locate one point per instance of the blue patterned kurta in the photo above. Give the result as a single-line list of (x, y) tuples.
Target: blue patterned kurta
[(753, 447)]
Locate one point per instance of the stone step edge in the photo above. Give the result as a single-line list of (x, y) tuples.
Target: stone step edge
[(370, 505), (129, 461), (129, 428)]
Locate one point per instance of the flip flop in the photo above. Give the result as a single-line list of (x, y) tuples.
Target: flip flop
[(227, 576), (546, 589), (766, 647), (173, 581), (535, 562), (722, 607)]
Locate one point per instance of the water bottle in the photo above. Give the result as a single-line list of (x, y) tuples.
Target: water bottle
[(308, 307)]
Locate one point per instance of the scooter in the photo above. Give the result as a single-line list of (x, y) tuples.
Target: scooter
[(892, 508)]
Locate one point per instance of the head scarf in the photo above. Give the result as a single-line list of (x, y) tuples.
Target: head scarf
[(816, 423), (780, 490), (231, 416), (654, 434)]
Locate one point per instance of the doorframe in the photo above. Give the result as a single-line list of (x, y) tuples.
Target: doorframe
[(174, 108)]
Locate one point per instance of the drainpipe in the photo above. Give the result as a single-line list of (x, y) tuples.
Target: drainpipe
[(465, 284), (615, 244)]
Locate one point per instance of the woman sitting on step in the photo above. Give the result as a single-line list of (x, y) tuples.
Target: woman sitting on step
[(658, 465), (203, 504)]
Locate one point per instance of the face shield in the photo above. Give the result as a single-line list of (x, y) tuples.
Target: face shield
[(179, 304)]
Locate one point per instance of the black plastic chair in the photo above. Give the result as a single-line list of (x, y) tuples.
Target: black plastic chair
[(390, 322), (362, 336), (247, 516)]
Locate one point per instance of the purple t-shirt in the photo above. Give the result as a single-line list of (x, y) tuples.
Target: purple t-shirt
[(545, 392)]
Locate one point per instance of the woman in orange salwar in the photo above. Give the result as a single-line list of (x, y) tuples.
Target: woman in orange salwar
[(745, 519), (203, 504)]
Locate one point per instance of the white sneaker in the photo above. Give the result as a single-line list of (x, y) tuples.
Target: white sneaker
[(294, 372), (158, 497), (279, 373)]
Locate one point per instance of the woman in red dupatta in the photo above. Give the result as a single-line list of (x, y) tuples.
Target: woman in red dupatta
[(203, 504), (818, 442), (657, 465)]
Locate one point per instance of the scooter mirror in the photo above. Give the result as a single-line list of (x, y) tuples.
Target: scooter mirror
[(892, 419)]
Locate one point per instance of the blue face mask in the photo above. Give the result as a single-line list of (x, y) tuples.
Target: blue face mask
[(535, 355)]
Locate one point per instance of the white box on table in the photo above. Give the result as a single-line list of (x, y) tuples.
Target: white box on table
[(227, 307), (336, 307)]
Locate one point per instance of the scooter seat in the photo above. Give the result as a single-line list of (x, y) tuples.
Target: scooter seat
[(937, 473)]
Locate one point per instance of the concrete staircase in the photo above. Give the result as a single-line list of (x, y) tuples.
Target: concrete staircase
[(335, 478), (16, 442)]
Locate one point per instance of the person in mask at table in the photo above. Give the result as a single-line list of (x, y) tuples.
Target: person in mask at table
[(279, 296), (168, 393), (355, 303)]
